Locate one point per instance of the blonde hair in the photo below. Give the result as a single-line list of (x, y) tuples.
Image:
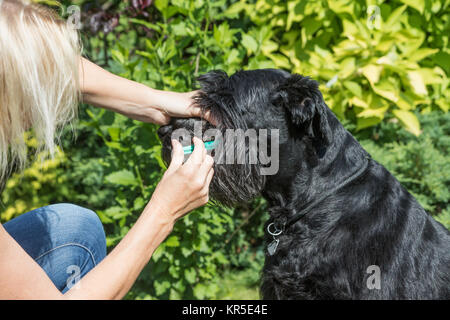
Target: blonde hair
[(39, 84)]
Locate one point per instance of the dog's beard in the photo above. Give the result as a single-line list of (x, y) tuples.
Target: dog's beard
[(235, 180)]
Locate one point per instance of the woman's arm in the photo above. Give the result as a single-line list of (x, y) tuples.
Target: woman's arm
[(137, 101), (183, 188)]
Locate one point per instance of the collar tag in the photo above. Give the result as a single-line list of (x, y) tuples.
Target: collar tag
[(272, 247)]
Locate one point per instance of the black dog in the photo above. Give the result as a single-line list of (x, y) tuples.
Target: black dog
[(341, 226)]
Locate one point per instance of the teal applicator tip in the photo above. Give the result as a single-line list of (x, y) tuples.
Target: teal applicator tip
[(209, 145)]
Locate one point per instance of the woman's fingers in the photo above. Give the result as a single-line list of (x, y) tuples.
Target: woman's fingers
[(205, 189), (198, 155), (209, 177), (198, 112), (206, 166), (207, 115), (177, 156)]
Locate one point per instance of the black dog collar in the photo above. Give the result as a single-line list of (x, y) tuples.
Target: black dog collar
[(273, 228)]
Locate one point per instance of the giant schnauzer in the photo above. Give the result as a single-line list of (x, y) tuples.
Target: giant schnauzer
[(341, 226)]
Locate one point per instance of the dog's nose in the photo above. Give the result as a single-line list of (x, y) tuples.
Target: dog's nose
[(164, 130)]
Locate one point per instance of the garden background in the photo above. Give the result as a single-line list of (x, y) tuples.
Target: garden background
[(383, 67)]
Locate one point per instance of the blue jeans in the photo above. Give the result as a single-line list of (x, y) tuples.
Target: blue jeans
[(66, 240)]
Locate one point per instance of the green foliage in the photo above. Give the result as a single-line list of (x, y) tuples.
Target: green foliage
[(374, 59), (392, 67), (239, 285)]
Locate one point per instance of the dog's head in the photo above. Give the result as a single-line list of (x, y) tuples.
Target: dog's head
[(257, 115)]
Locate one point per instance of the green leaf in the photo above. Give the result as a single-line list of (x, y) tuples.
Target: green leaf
[(419, 5), (249, 43), (146, 24), (116, 145), (158, 253), (118, 56), (235, 8), (116, 213), (442, 59), (394, 17), (180, 29), (200, 291), (172, 241), (161, 4), (103, 217), (161, 287), (311, 25), (123, 177), (190, 275), (114, 133)]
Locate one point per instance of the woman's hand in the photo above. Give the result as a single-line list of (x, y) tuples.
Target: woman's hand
[(178, 104), (184, 187)]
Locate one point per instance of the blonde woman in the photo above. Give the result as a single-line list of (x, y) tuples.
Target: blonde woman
[(45, 252)]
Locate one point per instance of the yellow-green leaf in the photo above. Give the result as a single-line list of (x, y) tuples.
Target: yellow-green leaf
[(269, 46), (279, 60), (355, 101), (378, 113), (417, 83), (372, 73), (404, 104), (409, 120), (123, 177), (422, 53), (386, 90), (353, 87), (362, 123), (347, 67), (431, 76), (117, 56), (249, 43), (443, 104)]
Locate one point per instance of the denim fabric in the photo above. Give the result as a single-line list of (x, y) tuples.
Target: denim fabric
[(66, 240)]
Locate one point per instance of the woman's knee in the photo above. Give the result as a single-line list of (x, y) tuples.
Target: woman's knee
[(79, 225), (61, 224)]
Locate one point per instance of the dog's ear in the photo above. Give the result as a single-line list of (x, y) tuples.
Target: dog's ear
[(302, 99)]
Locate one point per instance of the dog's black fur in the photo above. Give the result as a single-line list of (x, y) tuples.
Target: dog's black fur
[(370, 221)]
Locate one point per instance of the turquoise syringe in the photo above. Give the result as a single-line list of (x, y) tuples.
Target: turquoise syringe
[(209, 145)]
